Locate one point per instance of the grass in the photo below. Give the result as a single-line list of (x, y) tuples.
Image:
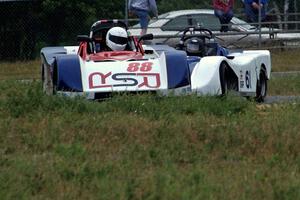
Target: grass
[(285, 60), (284, 86), (145, 147), (20, 70)]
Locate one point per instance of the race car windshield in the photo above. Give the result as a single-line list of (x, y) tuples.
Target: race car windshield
[(118, 40)]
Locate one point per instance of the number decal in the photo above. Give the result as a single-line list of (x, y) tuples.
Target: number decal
[(133, 67), (145, 67), (139, 75)]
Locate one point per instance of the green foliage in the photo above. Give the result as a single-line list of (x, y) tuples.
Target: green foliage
[(66, 16)]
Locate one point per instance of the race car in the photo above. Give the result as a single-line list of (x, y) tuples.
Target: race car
[(198, 65)]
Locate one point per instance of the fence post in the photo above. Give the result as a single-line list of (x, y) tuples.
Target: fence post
[(259, 24), (296, 15)]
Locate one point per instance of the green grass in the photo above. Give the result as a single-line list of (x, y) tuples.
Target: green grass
[(285, 60), (20, 70), (145, 147)]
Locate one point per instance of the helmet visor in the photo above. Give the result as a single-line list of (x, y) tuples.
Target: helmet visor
[(117, 39)]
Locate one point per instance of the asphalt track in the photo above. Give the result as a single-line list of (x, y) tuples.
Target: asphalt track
[(284, 74), (281, 99)]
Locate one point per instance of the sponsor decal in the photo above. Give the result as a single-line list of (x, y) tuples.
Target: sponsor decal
[(242, 82), (138, 74)]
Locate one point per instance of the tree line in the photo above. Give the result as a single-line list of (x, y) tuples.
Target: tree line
[(27, 26)]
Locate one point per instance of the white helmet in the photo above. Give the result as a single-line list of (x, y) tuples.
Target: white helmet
[(116, 38)]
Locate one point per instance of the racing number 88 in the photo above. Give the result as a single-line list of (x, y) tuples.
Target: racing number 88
[(145, 67)]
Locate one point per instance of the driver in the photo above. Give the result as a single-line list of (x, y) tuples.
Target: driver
[(117, 38), (195, 46)]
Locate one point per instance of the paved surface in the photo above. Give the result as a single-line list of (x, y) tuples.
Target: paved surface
[(281, 99), (284, 74)]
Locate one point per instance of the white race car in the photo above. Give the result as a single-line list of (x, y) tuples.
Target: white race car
[(198, 65)]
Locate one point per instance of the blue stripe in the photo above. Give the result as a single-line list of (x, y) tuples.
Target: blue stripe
[(192, 61), (69, 73), (177, 69)]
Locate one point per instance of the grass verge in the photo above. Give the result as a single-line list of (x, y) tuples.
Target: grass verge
[(145, 147), (285, 60), (20, 70), (284, 86)]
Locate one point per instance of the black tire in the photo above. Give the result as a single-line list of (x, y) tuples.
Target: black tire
[(42, 75), (261, 86), (223, 78)]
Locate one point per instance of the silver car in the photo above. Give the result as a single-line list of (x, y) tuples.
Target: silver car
[(169, 26)]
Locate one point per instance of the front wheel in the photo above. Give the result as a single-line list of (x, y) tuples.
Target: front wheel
[(261, 86), (47, 81)]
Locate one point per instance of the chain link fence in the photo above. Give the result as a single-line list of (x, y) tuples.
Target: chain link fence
[(16, 30), (25, 29)]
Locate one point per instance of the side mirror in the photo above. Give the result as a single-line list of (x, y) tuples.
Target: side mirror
[(84, 38), (146, 37)]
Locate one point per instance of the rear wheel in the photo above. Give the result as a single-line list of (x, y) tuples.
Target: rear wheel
[(261, 87)]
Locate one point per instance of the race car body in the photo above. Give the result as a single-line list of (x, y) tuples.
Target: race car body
[(92, 70), (242, 72)]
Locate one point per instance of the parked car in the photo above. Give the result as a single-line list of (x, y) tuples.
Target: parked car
[(169, 26)]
